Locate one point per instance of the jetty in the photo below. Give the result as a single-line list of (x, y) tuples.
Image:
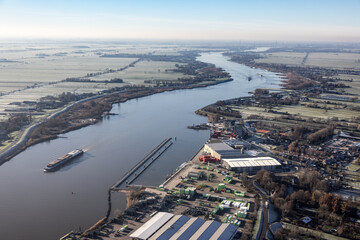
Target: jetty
[(141, 166)]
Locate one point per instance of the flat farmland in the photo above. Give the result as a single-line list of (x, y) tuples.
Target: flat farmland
[(79, 88), (287, 58), (34, 94), (300, 110), (31, 71), (55, 69), (355, 84), (145, 70), (29, 79), (308, 112), (334, 60), (314, 59)]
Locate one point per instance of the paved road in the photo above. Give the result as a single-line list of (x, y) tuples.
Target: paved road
[(24, 133), (265, 223)]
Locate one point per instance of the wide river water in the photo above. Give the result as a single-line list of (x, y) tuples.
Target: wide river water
[(43, 206)]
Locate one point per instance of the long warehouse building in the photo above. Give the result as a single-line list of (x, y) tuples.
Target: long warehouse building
[(237, 161), (165, 226), (252, 164)]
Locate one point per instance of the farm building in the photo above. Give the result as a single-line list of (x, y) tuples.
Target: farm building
[(168, 226), (252, 164)]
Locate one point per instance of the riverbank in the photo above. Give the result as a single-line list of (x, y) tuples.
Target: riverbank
[(84, 113), (144, 202), (114, 146)]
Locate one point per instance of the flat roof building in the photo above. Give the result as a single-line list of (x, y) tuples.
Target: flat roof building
[(170, 228), (165, 226), (225, 231), (151, 226), (252, 164), (188, 229), (221, 150)]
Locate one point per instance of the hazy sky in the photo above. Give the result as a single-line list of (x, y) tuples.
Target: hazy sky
[(290, 20)]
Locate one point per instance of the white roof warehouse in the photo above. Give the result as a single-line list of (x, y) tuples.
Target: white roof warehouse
[(251, 164)]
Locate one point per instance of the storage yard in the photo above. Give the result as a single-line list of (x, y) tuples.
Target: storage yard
[(209, 197), (201, 200)]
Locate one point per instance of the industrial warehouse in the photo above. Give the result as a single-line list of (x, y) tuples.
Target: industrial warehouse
[(166, 226), (203, 199), (221, 150), (241, 160), (252, 164)]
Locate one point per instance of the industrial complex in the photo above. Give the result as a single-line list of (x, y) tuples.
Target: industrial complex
[(166, 226), (206, 198), (240, 160)]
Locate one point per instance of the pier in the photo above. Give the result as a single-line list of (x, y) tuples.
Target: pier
[(145, 162)]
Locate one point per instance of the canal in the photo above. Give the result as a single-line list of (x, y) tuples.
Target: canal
[(43, 206)]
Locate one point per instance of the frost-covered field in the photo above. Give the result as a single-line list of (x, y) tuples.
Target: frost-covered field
[(29, 71), (145, 70), (314, 59)]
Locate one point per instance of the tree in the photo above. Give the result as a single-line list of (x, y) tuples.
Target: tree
[(321, 134), (287, 208), (292, 147), (336, 205), (266, 179), (297, 133), (279, 235), (244, 177), (326, 200), (344, 207), (259, 92)]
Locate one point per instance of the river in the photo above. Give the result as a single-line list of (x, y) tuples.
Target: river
[(43, 206)]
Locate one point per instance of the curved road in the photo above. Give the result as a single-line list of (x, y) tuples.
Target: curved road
[(24, 133)]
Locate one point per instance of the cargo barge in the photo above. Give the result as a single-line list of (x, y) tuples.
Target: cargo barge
[(52, 166)]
